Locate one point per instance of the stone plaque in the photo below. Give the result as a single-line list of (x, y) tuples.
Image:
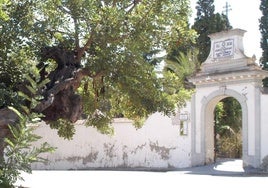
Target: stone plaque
[(223, 48)]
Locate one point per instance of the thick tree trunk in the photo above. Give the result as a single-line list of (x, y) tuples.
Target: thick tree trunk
[(66, 105), (60, 99)]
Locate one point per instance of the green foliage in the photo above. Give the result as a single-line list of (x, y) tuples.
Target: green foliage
[(129, 99), (8, 97), (207, 22), (120, 40), (183, 66), (65, 128), (30, 96), (19, 154), (177, 70), (185, 37), (232, 114), (264, 36), (219, 116), (264, 32), (3, 4), (101, 122), (228, 126), (18, 151), (17, 54)]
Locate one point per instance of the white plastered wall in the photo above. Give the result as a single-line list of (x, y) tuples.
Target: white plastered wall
[(157, 145)]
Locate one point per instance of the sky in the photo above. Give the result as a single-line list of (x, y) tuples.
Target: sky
[(244, 14)]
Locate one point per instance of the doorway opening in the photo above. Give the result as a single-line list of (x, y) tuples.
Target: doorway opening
[(228, 129)]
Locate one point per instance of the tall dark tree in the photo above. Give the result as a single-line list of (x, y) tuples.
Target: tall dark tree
[(264, 36), (207, 22)]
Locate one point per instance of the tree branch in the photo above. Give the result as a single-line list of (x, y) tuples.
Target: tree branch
[(63, 85), (81, 51), (56, 89), (134, 4), (64, 9), (76, 33)]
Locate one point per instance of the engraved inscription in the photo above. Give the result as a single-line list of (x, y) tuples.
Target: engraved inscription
[(223, 48)]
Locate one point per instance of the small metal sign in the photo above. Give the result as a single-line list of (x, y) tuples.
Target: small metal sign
[(184, 116)]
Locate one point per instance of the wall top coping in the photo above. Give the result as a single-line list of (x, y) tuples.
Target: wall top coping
[(227, 33)]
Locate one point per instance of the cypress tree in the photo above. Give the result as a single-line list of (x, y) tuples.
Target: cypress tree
[(264, 36), (207, 22)]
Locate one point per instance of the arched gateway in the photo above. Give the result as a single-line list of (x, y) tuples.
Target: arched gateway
[(227, 72)]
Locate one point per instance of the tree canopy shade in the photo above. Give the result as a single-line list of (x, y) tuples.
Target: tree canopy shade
[(95, 58)]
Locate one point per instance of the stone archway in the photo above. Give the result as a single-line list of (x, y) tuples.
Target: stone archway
[(228, 72), (208, 105)]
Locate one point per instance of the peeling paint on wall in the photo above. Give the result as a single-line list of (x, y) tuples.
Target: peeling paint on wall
[(128, 148), (125, 156), (138, 148), (109, 150), (91, 157), (163, 151), (72, 159)]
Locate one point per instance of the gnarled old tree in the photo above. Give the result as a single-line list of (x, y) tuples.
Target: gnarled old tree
[(94, 56)]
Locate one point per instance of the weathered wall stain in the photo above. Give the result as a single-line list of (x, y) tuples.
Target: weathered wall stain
[(138, 148), (129, 148), (72, 159), (125, 155), (109, 150), (161, 150), (91, 157)]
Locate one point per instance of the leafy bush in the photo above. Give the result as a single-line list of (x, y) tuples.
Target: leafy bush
[(19, 153), (65, 128)]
